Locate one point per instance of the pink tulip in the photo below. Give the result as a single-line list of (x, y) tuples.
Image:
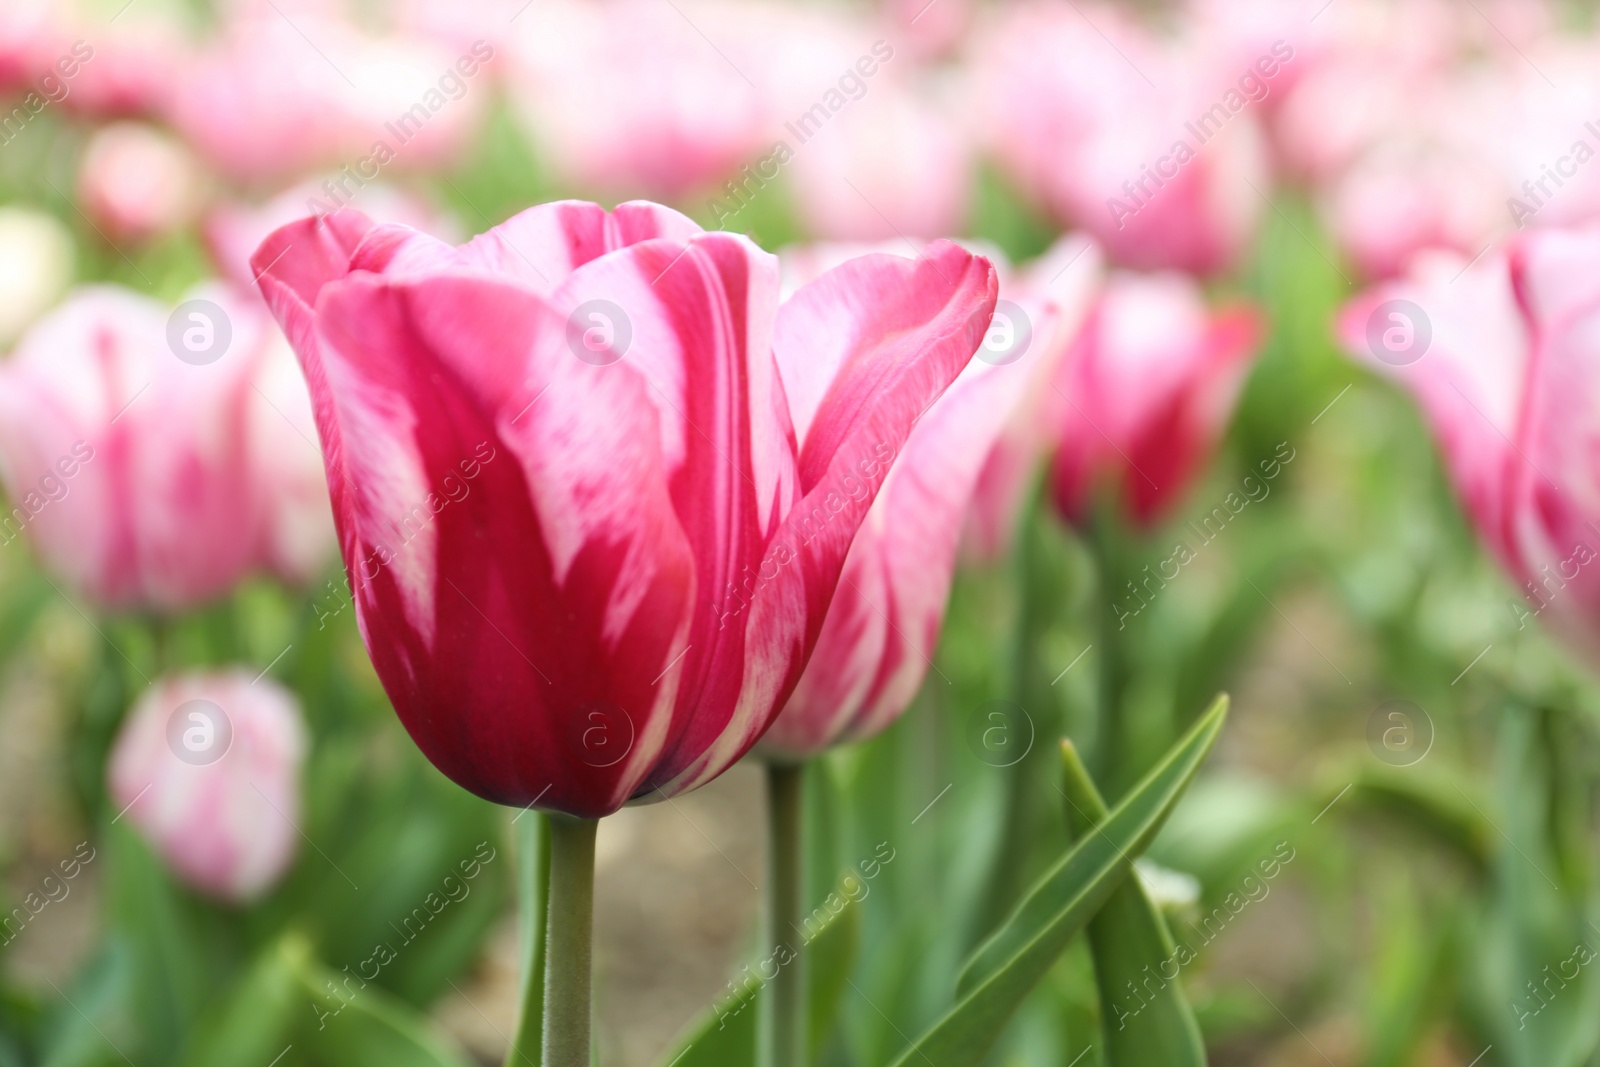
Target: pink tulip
[(141, 475), (609, 591), (683, 117), (880, 632), (1054, 294), (888, 165), (1503, 356), (1150, 382), (234, 231), (1117, 132), (207, 768), (137, 183)]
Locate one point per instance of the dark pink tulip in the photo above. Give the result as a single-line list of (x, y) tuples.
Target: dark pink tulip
[(1503, 356), (595, 482), (1150, 382)]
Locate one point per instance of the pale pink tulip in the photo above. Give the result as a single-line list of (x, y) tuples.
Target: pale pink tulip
[(143, 477), (1503, 356), (137, 183), (1150, 382), (1115, 131), (207, 769), (595, 482)]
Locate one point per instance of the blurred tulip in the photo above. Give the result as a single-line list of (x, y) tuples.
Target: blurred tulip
[(1150, 382), (606, 593), (931, 28), (888, 165), (36, 266), (137, 183), (207, 768), (1117, 132), (138, 450), (882, 628), (1053, 295), (681, 119), (234, 231), (1503, 356)]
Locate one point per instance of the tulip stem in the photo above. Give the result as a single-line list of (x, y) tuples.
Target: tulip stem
[(569, 942), (533, 875), (783, 1029)]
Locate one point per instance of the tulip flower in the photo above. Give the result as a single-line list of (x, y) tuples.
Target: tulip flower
[(1501, 357), (605, 592), (137, 183), (141, 454), (884, 622), (207, 769), (1149, 384), (1116, 132), (595, 485)]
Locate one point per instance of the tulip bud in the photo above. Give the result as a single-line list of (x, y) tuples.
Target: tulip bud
[(207, 768), (1149, 384), (137, 183)]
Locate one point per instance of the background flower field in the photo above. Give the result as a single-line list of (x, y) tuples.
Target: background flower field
[(1226, 474)]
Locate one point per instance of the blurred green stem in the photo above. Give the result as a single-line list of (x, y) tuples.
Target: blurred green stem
[(1105, 537), (569, 942), (783, 1030), (533, 875)]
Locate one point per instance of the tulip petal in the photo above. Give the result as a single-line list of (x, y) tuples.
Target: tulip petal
[(518, 565), (544, 244)]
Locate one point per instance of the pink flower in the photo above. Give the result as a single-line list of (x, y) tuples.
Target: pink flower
[(595, 483), (681, 119), (1503, 356), (888, 165), (882, 628), (137, 183), (207, 767), (1054, 294), (234, 231), (1117, 132), (1150, 382), (136, 444)]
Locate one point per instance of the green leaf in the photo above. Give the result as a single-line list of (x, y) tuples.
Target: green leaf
[(253, 1023), (349, 1023), (725, 1036), (1129, 942), (1017, 956)]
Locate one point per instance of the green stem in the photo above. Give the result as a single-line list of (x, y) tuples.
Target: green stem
[(569, 942), (533, 872), (1111, 749), (783, 1030)]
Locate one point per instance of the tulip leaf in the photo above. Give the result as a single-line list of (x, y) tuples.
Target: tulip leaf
[(254, 1022), (351, 1023), (1129, 942), (726, 1036), (1023, 950)]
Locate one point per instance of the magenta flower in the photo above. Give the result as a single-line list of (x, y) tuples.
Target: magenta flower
[(595, 482)]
